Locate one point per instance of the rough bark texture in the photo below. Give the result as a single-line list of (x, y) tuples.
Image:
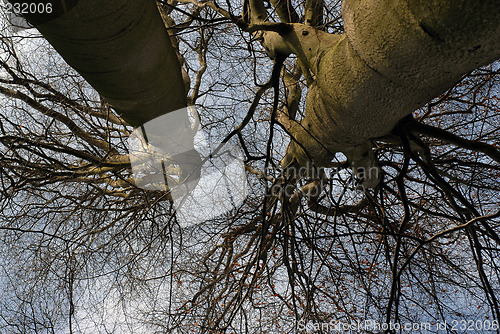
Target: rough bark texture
[(122, 49), (394, 57)]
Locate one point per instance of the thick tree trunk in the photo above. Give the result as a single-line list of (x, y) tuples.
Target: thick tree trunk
[(394, 57), (122, 49)]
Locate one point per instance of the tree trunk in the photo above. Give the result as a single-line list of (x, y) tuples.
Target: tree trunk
[(122, 49), (394, 57)]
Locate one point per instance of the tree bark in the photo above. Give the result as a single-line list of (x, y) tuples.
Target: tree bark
[(122, 49), (394, 57)]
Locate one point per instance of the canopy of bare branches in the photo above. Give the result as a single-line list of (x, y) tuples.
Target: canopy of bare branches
[(85, 250)]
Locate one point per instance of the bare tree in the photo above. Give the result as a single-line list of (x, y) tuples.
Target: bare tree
[(370, 137)]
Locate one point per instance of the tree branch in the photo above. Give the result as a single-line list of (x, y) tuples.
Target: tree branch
[(451, 138)]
